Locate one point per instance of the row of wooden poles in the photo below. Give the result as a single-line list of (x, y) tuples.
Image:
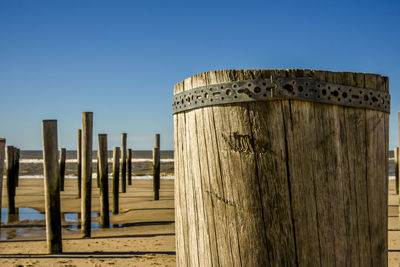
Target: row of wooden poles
[(54, 174), (12, 155)]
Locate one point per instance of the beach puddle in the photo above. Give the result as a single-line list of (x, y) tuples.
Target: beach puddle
[(28, 222)]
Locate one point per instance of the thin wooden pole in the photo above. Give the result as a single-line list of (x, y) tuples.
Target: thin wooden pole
[(156, 173), (98, 170), (123, 162), (79, 162), (396, 168), (51, 186), (157, 140), (87, 139), (16, 166), (116, 155), (129, 166), (2, 157), (10, 154), (103, 172), (63, 153)]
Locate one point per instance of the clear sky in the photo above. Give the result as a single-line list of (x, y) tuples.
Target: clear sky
[(121, 59)]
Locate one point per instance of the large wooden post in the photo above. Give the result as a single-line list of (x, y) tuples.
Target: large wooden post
[(79, 162), (396, 168), (87, 139), (281, 168), (156, 173), (63, 153), (103, 172), (115, 188), (129, 166), (123, 162), (10, 170), (51, 186), (2, 158)]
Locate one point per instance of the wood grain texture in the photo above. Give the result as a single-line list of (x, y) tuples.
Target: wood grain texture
[(282, 182), (52, 186), (87, 144)]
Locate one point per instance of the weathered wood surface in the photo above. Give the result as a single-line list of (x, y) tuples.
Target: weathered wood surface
[(51, 186), (396, 167), (103, 176), (129, 166), (61, 164), (79, 162), (156, 173), (2, 158), (123, 162), (283, 182), (87, 143), (115, 187), (10, 172)]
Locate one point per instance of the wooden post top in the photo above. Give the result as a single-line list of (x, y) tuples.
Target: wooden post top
[(218, 76), (358, 90)]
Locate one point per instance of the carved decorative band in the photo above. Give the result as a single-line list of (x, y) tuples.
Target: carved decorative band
[(275, 88)]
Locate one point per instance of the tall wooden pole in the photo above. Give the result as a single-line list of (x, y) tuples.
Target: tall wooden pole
[(10, 169), (63, 154), (87, 139), (396, 167), (79, 162), (103, 172), (51, 187), (2, 158), (115, 189), (129, 166), (156, 173), (123, 162)]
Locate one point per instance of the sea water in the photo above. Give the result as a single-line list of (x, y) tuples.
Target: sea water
[(31, 164)]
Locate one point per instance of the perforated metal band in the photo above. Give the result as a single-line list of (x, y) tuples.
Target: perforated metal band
[(299, 88)]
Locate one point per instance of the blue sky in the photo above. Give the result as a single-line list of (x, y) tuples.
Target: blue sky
[(121, 59)]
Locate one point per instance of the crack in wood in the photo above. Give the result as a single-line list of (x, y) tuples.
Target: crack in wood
[(226, 201)]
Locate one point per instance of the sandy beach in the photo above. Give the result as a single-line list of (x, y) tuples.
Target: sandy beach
[(143, 234), (393, 226)]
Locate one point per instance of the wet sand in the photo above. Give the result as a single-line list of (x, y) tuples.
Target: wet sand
[(147, 235)]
